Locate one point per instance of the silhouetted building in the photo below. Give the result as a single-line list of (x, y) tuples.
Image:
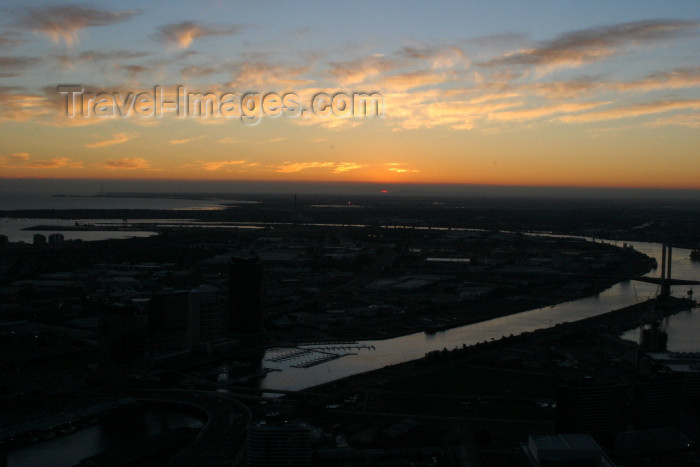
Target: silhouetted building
[(170, 322), (686, 366), (653, 338), (591, 408), (565, 450), (631, 447), (279, 445), (4, 240), (204, 304), (39, 239), (122, 333), (658, 403), (55, 238), (245, 296)]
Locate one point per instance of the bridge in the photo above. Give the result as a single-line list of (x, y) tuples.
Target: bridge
[(657, 280)]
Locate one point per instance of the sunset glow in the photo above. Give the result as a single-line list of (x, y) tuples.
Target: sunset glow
[(523, 93)]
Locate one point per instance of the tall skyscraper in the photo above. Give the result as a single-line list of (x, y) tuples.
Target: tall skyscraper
[(245, 296), (170, 322), (122, 334), (205, 305)]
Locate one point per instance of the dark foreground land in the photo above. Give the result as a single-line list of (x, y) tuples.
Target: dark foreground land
[(333, 271), (322, 283), (473, 405)]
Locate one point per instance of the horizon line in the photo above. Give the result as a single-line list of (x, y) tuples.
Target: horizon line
[(360, 182)]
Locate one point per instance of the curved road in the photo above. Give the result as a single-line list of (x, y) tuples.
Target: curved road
[(220, 440)]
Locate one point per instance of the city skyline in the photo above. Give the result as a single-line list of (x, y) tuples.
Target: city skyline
[(548, 94)]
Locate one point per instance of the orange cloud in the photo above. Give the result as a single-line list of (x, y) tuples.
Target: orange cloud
[(537, 112), (183, 34), (338, 167), (21, 156), (258, 73), (414, 80), (632, 111), (686, 120), (127, 163), (19, 107), (176, 142), (399, 168), (216, 165), (357, 71), (291, 167), (116, 138), (54, 163), (341, 167), (437, 57), (23, 160)]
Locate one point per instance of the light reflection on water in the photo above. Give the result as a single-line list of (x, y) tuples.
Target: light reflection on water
[(682, 329), (70, 449)]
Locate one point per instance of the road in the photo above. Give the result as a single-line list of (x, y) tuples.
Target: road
[(221, 437)]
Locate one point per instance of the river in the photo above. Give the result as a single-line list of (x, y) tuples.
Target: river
[(371, 355), (70, 449)]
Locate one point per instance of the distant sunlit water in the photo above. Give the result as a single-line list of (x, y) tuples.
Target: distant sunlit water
[(22, 201), (12, 227)]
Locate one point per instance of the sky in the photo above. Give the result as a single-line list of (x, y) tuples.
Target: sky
[(524, 93)]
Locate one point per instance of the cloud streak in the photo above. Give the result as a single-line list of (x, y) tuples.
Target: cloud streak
[(63, 22), (338, 167), (341, 167), (594, 44), (357, 71), (216, 165), (23, 160), (17, 63), (117, 138), (127, 163), (69, 61), (9, 40), (291, 167), (400, 168), (183, 34), (440, 57), (177, 142), (633, 111), (543, 111)]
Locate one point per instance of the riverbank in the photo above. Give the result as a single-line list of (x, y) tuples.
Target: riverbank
[(436, 318), (611, 323)]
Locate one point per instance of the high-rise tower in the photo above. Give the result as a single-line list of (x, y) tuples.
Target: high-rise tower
[(245, 296)]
